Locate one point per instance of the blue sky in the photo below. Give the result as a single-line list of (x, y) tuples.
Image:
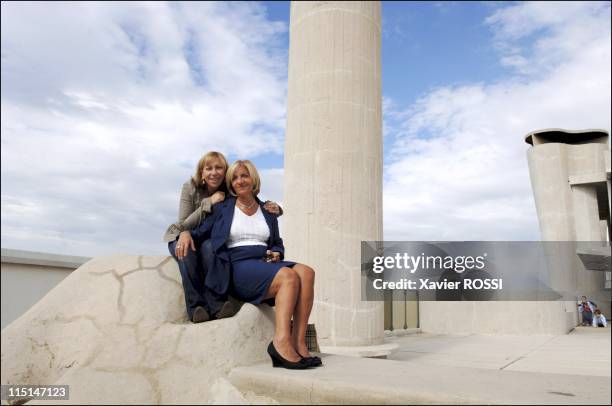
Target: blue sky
[(428, 44), (107, 107), (424, 45)]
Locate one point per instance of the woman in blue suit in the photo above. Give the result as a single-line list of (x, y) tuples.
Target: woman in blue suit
[(248, 261)]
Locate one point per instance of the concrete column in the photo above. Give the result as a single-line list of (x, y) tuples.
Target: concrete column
[(333, 161), (549, 172)]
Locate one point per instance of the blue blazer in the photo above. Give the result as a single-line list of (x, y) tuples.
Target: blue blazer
[(217, 227)]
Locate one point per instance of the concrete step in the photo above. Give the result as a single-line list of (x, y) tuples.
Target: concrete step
[(350, 380)]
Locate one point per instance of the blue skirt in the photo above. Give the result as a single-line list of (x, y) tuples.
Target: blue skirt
[(251, 275)]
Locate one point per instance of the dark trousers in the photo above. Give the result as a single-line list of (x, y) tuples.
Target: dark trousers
[(193, 269)]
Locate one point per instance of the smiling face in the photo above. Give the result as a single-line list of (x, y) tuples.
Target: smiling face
[(242, 179), (213, 174), (242, 182)]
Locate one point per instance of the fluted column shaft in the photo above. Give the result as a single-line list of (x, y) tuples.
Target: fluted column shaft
[(333, 160)]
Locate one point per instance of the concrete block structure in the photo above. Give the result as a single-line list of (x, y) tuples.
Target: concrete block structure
[(570, 177), (115, 330), (570, 184), (27, 276), (333, 161)]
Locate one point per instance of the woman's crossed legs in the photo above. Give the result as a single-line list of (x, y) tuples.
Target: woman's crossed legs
[(293, 290)]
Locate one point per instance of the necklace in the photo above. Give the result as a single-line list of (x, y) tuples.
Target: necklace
[(246, 207)]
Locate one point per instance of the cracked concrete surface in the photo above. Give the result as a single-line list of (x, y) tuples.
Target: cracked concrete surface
[(116, 331)]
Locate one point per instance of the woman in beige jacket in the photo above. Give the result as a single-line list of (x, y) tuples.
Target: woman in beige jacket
[(198, 195)]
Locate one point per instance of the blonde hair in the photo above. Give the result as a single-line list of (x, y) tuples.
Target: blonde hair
[(248, 165), (197, 178)]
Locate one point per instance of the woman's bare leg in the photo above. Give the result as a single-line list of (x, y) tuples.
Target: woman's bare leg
[(303, 308), (284, 288)]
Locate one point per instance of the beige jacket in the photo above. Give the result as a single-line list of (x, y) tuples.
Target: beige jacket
[(194, 206)]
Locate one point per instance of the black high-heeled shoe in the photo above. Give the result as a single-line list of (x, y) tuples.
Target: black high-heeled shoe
[(312, 361), (279, 361)]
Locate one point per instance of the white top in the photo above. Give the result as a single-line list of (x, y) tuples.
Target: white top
[(599, 319), (248, 230)]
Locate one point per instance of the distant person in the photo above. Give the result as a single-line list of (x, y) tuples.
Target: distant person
[(599, 320), (246, 240), (198, 195), (586, 309)]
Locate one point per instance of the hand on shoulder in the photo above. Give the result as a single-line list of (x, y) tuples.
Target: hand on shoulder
[(217, 197)]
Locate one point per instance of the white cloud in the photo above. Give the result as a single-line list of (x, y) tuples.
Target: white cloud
[(458, 169), (107, 107)]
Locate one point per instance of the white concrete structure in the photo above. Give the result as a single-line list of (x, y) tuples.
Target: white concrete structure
[(116, 331), (568, 176), (571, 193), (333, 161), (27, 276), (452, 370)]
